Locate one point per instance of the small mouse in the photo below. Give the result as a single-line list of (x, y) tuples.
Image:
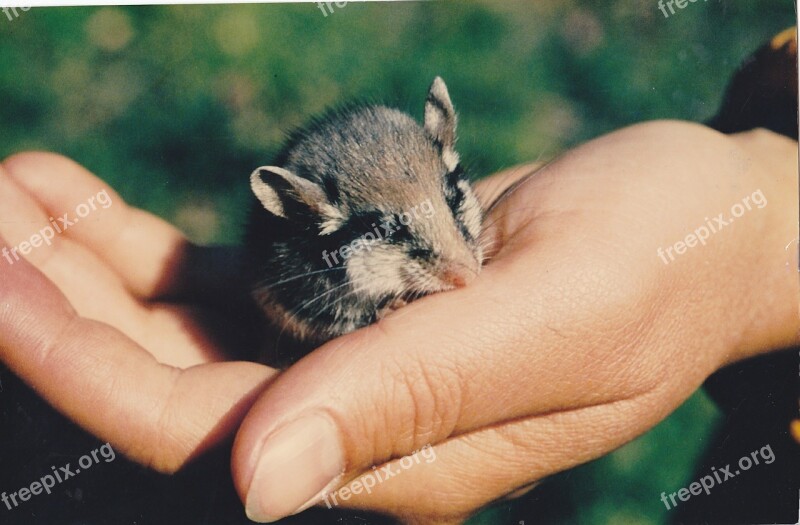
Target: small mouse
[(363, 211)]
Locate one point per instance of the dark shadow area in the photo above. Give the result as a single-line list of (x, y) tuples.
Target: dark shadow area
[(34, 438), (760, 398)]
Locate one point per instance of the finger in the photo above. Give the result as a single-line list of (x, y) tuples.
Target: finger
[(155, 414), (479, 468), (147, 252), (92, 288)]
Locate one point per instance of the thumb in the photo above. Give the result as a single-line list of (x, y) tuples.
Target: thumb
[(321, 385), (360, 400)]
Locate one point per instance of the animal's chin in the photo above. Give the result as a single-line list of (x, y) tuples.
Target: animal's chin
[(397, 302)]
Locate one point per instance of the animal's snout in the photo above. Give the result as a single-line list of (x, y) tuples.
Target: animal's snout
[(457, 275)]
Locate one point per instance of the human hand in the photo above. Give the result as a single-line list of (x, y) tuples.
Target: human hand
[(576, 338), (108, 324)]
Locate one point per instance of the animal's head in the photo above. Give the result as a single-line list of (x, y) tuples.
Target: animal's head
[(370, 194)]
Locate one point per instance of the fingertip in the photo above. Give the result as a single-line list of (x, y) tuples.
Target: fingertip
[(293, 467), (34, 158), (145, 251), (39, 172)]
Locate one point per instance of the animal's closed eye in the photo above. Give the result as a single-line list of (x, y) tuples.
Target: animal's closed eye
[(421, 253)]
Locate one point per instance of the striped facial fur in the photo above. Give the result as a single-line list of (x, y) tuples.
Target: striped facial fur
[(364, 211)]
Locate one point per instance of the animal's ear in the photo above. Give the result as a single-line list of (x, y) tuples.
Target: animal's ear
[(440, 121), (286, 195)]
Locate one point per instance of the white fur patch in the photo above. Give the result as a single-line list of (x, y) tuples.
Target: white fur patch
[(433, 118), (472, 209), (377, 270), (266, 195), (332, 219), (450, 158)]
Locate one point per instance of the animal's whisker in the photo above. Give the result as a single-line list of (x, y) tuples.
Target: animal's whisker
[(295, 311), (510, 190), (265, 284), (506, 215)]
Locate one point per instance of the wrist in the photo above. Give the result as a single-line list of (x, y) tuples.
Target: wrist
[(771, 283)]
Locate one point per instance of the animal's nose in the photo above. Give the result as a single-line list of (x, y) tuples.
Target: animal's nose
[(457, 275)]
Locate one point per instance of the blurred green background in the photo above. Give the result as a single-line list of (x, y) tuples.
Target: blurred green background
[(175, 105)]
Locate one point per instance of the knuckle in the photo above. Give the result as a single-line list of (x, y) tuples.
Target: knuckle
[(429, 396), (165, 450)]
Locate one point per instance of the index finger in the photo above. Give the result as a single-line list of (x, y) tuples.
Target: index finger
[(151, 257), (155, 414)]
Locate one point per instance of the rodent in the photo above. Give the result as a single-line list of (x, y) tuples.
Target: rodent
[(362, 211)]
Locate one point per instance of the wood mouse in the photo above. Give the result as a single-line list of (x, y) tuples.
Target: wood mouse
[(362, 211)]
